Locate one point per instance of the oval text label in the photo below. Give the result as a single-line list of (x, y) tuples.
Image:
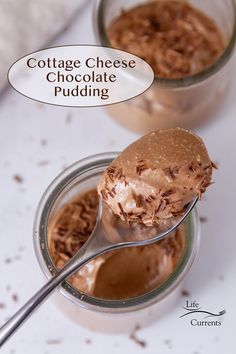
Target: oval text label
[(80, 76)]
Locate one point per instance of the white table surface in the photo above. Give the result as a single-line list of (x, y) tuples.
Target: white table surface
[(36, 142)]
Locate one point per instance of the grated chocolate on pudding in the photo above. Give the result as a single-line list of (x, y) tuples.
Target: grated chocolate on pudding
[(175, 38), (119, 274)]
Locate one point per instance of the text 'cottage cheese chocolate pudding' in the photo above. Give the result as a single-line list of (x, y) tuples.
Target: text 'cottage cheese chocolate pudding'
[(151, 181), (188, 45)]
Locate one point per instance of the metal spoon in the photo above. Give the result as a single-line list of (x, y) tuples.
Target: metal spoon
[(102, 240)]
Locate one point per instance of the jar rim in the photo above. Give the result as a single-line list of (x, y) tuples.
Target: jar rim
[(41, 246), (102, 38)]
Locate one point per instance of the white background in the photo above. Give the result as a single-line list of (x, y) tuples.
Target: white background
[(36, 142)]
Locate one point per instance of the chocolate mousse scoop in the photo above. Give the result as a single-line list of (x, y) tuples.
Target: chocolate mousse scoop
[(154, 178)]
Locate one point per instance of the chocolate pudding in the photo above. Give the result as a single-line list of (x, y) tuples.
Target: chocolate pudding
[(154, 178), (146, 186), (184, 45), (175, 38), (120, 274)]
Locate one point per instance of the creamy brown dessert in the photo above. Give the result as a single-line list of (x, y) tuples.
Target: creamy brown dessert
[(175, 38), (179, 41), (119, 274), (154, 178), (150, 182)]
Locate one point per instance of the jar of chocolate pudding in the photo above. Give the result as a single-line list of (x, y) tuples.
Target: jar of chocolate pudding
[(122, 289), (187, 43)]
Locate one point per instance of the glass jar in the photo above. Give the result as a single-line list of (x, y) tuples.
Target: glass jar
[(96, 313), (170, 103)]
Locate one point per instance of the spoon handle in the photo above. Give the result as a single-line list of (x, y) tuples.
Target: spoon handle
[(84, 255)]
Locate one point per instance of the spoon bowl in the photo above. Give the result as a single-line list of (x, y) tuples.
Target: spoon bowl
[(136, 234)]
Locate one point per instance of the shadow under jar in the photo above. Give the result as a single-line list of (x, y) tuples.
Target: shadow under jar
[(101, 312), (171, 101)]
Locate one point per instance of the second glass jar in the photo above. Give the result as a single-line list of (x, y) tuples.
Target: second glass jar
[(169, 103)]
